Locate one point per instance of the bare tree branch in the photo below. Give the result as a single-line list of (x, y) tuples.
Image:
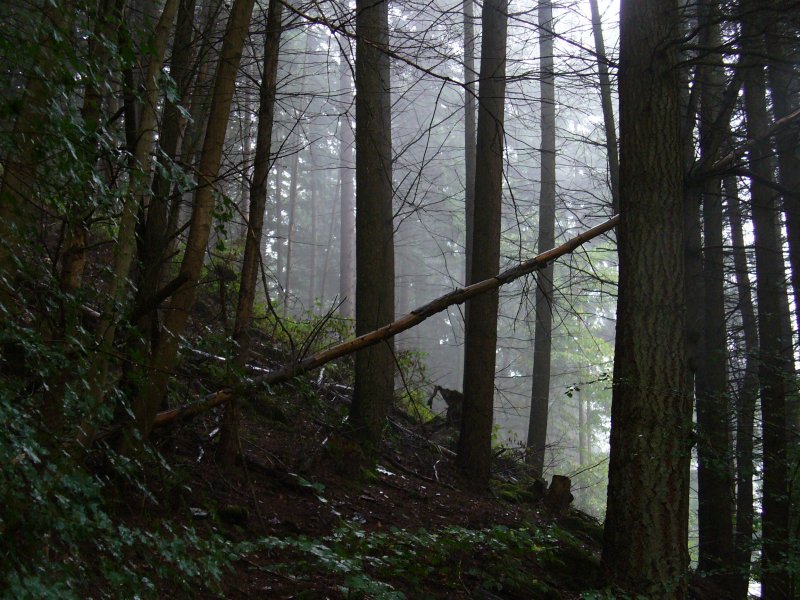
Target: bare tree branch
[(415, 317)]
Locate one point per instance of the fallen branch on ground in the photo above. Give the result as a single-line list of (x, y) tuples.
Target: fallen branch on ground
[(405, 322)]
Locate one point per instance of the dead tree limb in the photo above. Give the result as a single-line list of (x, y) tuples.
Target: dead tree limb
[(415, 317)]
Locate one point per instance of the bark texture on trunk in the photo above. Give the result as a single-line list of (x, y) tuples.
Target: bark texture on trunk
[(469, 135), (155, 240), (229, 433), (714, 473), (347, 224), (746, 399), (540, 378), (607, 105), (165, 352), (374, 371), (645, 546), (770, 285), (475, 441)]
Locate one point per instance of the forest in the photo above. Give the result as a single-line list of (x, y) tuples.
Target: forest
[(384, 300)]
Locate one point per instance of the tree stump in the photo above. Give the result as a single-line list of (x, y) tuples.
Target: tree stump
[(558, 496)]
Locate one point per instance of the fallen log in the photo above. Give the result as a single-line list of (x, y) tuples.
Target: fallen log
[(415, 317)]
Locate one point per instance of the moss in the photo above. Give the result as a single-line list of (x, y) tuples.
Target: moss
[(584, 527), (572, 565), (514, 493)]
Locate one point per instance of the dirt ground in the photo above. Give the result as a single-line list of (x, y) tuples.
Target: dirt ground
[(300, 478)]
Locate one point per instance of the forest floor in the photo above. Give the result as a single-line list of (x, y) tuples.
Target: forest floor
[(311, 517), (324, 525)]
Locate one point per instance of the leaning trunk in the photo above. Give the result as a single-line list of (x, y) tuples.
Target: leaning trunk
[(165, 353)]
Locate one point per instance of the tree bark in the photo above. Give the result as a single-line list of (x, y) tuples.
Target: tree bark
[(582, 431), (645, 549), (134, 203), (347, 229), (714, 474), (746, 400), (607, 105), (165, 353), (475, 441), (206, 65), (279, 239), (469, 135), (312, 270), (784, 89), (293, 185), (540, 378), (374, 369), (155, 239), (770, 284), (229, 433)]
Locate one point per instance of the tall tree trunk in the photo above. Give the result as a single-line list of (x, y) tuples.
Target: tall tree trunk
[(470, 149), (784, 85), (165, 353), (475, 441), (134, 203), (582, 454), (645, 548), (347, 227), (205, 68), (312, 270), (714, 475), (239, 229), (280, 251), (770, 284), (607, 105), (746, 399), (229, 433), (294, 183), (469, 135), (374, 370), (155, 239), (540, 378), (323, 286), (784, 89)]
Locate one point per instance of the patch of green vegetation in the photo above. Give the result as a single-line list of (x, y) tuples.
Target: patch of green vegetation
[(401, 563), (61, 535), (583, 526), (518, 492), (573, 566), (610, 594)]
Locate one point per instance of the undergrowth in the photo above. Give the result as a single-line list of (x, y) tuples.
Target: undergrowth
[(408, 564)]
